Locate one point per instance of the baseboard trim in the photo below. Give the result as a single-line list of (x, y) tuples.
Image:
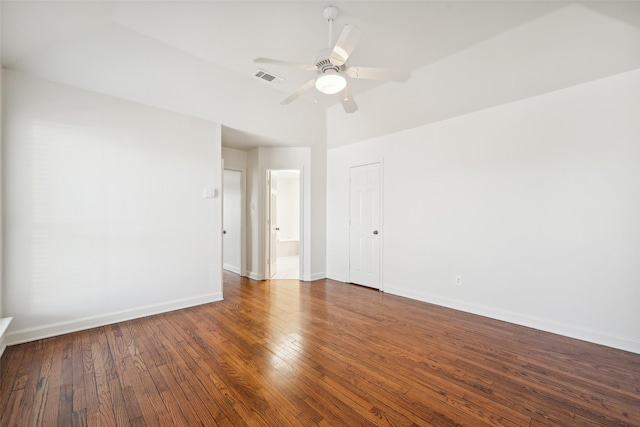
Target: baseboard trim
[(232, 269), (254, 276), (338, 278), (54, 329), (542, 325), (4, 325), (318, 276)]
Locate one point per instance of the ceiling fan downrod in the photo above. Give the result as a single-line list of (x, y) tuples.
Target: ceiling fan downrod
[(330, 13)]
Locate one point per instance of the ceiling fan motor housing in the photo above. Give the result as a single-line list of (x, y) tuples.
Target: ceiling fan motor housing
[(322, 61)]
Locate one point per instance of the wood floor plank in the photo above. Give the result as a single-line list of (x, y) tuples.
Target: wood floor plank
[(176, 394), (9, 366), (131, 404), (23, 371), (12, 416), (49, 381), (324, 353), (37, 410), (89, 370), (79, 396)]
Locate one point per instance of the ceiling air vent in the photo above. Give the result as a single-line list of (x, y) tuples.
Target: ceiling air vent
[(268, 77)]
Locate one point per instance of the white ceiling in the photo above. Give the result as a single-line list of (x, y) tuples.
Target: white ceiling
[(196, 58)]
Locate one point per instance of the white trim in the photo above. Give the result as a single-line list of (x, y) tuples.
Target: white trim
[(268, 260), (318, 276), (254, 276), (381, 227), (40, 332), (530, 322), (338, 278), (4, 324), (232, 269)]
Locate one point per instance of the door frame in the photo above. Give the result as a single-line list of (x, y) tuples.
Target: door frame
[(270, 248), (243, 215), (380, 164)]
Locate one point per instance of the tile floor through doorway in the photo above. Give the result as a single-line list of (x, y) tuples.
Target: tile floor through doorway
[(287, 267)]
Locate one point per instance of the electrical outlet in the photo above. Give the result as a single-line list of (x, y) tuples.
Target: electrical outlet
[(459, 280)]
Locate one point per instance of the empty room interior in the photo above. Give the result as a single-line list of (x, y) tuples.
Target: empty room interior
[(283, 213)]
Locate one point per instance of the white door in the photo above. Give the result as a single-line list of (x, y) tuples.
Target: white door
[(272, 255), (232, 221), (364, 229)]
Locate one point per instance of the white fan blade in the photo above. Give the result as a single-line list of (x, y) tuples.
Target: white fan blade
[(346, 44), (290, 64), (347, 101), (370, 73), (302, 89)]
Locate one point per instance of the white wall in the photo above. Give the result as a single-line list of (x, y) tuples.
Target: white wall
[(234, 159), (104, 211), (536, 204)]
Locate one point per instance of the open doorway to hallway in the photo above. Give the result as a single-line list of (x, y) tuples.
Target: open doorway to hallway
[(283, 219)]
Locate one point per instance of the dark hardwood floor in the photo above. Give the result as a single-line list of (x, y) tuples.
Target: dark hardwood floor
[(325, 353)]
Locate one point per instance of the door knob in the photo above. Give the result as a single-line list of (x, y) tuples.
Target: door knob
[(375, 231), (224, 231)]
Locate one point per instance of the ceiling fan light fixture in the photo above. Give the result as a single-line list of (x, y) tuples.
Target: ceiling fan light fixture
[(331, 83)]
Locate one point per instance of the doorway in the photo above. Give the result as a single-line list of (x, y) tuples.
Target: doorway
[(232, 221), (283, 224)]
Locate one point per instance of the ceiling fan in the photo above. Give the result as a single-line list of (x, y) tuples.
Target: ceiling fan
[(331, 66)]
